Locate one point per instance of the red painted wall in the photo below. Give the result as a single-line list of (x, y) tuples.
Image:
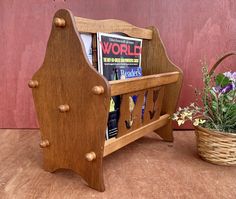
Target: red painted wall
[(190, 30)]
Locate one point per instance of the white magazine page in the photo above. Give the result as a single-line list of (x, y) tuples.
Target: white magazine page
[(99, 53), (87, 41)]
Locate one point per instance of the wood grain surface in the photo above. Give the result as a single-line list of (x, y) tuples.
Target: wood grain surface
[(146, 110), (154, 54), (135, 84), (71, 116), (115, 144), (111, 25)]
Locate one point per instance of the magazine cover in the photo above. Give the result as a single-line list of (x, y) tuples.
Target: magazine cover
[(115, 51), (119, 57)]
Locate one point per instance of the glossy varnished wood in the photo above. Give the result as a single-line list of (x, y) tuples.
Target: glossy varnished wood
[(154, 99), (73, 111), (111, 25), (71, 117), (146, 109), (115, 144), (119, 87), (59, 22), (154, 61), (130, 117)]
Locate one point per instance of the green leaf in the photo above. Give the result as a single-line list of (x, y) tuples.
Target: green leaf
[(222, 80)]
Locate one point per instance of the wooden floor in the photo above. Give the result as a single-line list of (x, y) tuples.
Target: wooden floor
[(147, 168)]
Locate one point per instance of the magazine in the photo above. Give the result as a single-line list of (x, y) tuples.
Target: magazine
[(87, 41), (116, 51), (119, 57)]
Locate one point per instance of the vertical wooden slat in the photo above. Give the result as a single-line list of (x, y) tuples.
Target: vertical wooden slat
[(124, 115), (137, 113), (149, 106), (159, 102)]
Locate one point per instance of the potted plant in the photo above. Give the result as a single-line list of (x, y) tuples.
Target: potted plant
[(214, 116)]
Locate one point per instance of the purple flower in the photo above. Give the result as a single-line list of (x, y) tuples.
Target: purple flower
[(231, 76), (227, 88), (231, 85)]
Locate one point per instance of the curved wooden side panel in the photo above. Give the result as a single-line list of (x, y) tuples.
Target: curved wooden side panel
[(111, 25), (72, 117), (156, 61)]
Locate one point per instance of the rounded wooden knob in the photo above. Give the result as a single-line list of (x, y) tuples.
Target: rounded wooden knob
[(90, 156), (59, 22), (64, 108), (98, 90), (44, 143), (33, 83)]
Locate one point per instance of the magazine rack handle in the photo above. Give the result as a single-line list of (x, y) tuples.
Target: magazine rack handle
[(220, 60)]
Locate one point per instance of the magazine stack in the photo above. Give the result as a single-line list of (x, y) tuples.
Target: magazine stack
[(119, 57)]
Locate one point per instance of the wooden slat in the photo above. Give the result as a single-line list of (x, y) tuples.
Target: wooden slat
[(148, 106), (159, 102), (119, 87), (111, 25), (153, 105), (137, 113), (115, 144), (125, 114)]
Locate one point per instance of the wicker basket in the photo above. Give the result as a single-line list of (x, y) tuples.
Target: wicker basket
[(216, 147)]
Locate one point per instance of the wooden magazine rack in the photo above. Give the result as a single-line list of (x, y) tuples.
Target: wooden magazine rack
[(72, 99)]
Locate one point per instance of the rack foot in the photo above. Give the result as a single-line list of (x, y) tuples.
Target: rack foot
[(166, 132), (93, 177), (49, 166), (96, 182)]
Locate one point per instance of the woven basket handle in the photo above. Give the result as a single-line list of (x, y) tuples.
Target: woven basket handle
[(220, 60)]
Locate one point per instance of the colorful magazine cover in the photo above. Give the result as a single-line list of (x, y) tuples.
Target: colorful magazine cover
[(115, 51), (117, 54)]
